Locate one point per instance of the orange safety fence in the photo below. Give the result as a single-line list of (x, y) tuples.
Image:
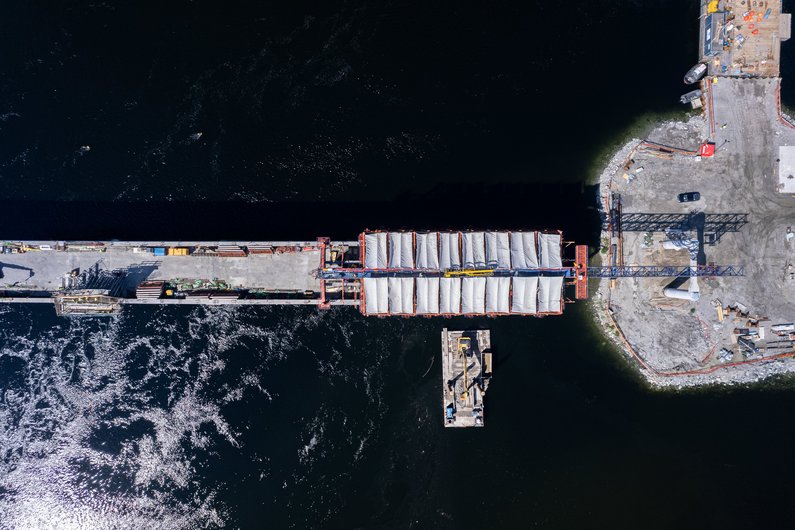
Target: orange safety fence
[(699, 371), (781, 117)]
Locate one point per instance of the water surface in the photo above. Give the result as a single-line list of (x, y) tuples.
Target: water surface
[(325, 121)]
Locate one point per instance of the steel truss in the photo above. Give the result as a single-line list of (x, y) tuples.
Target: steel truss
[(715, 223), (651, 271)]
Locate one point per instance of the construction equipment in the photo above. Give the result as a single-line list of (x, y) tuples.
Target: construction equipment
[(464, 344), (719, 308), (470, 273)]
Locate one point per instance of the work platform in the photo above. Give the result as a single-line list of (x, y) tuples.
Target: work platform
[(97, 277), (740, 38), (466, 373), (49, 270)]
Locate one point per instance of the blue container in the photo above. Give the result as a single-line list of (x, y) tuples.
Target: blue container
[(159, 251)]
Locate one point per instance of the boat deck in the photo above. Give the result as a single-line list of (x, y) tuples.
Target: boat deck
[(743, 40), (466, 372)]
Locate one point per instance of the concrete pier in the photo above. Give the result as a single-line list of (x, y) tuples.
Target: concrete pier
[(46, 270), (98, 277)]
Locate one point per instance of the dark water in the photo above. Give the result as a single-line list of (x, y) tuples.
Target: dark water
[(324, 121)]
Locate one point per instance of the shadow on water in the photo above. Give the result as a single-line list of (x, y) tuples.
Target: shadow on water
[(568, 207)]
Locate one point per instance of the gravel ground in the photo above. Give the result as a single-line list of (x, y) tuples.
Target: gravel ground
[(673, 336)]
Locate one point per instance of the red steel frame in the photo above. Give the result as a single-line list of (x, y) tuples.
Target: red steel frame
[(581, 271), (323, 242)]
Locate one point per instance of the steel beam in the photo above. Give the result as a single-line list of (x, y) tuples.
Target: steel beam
[(651, 271), (718, 223)]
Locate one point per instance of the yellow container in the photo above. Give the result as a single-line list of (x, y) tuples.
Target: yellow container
[(177, 251)]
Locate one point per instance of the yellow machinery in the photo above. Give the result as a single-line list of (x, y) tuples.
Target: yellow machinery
[(468, 273), (464, 344)]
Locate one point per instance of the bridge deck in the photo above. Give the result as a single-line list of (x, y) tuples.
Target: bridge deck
[(49, 270)]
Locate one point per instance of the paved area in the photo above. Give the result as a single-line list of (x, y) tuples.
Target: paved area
[(49, 270), (680, 335)]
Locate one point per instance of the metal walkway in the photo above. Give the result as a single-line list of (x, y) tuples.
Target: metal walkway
[(651, 271), (636, 271)]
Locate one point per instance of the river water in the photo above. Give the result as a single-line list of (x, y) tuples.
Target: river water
[(206, 120)]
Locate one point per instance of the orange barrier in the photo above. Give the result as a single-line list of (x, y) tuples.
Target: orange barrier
[(710, 108), (581, 271), (781, 117)]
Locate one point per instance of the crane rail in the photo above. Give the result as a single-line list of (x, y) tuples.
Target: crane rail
[(652, 271), (630, 271)]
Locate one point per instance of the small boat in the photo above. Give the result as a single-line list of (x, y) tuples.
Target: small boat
[(695, 73), (690, 96)]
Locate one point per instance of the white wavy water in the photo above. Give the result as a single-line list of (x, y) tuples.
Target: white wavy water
[(111, 423), (82, 381)]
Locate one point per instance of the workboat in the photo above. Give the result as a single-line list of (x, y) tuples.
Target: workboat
[(695, 73), (466, 373), (690, 96)]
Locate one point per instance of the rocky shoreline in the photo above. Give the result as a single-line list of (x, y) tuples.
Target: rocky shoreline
[(600, 303)]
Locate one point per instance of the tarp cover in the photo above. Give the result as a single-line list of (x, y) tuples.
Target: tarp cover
[(427, 250), (550, 251), (427, 296), (525, 294), (375, 250), (450, 295), (498, 250), (503, 251), (523, 250), (473, 245), (473, 296), (550, 290), (450, 257), (407, 286), (491, 249), (497, 294), (401, 296), (376, 296), (400, 250), (407, 250)]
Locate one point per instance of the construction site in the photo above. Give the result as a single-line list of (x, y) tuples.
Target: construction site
[(382, 273), (715, 189), (695, 273)]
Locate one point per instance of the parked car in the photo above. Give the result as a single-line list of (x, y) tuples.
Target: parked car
[(689, 196)]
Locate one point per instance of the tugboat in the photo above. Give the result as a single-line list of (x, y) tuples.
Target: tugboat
[(695, 73)]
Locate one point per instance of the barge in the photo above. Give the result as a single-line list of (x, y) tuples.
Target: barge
[(466, 373)]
